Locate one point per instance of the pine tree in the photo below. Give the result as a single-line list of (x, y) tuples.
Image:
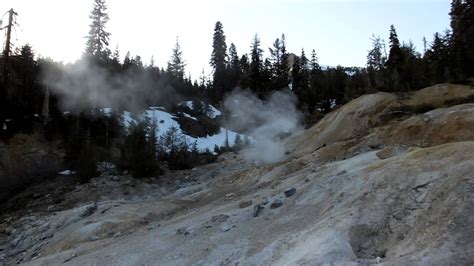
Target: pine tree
[(296, 79), (176, 64), (245, 71), (376, 58), (314, 64), (357, 83), (275, 55), (376, 61), (256, 65), (304, 67), (234, 61), (234, 67), (413, 74), (219, 61), (137, 62), (116, 55), (305, 81), (279, 59), (114, 61), (27, 94), (194, 148), (139, 151), (266, 78), (395, 54), (462, 39), (98, 38), (425, 45), (395, 60), (217, 149), (173, 140), (437, 59), (336, 94), (300, 81), (317, 86), (153, 139), (127, 61), (238, 143)]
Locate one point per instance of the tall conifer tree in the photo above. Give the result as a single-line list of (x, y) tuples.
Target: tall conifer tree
[(98, 38), (219, 61)]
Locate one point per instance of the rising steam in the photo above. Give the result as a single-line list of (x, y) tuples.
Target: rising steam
[(85, 85), (265, 121)]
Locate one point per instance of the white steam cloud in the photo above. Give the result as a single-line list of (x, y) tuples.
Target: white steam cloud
[(85, 85), (265, 121)]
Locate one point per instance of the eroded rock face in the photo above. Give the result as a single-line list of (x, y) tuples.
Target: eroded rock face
[(381, 117), (439, 126)]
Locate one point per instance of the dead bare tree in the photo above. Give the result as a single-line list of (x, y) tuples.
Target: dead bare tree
[(8, 44)]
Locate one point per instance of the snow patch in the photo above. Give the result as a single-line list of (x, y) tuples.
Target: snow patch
[(165, 121), (107, 111), (67, 172), (188, 116), (214, 112), (189, 104)]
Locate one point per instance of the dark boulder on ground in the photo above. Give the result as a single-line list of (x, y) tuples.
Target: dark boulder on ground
[(245, 204), (276, 204), (290, 192), (257, 209)]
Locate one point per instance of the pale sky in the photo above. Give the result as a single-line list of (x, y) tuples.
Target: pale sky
[(339, 30)]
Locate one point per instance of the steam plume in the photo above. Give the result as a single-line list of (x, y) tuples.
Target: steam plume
[(265, 121), (85, 85)]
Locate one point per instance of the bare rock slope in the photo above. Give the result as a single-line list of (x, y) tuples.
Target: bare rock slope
[(386, 179)]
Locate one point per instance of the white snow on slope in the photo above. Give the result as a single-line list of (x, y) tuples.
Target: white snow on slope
[(165, 121), (107, 111), (189, 104), (218, 139), (214, 111)]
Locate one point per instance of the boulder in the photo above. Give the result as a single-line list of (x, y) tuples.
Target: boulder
[(219, 218), (290, 192), (276, 204), (245, 204), (256, 210)]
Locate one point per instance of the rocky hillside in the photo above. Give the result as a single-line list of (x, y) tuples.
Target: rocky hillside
[(386, 179)]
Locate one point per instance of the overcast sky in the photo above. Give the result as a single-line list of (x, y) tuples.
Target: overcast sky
[(339, 30)]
